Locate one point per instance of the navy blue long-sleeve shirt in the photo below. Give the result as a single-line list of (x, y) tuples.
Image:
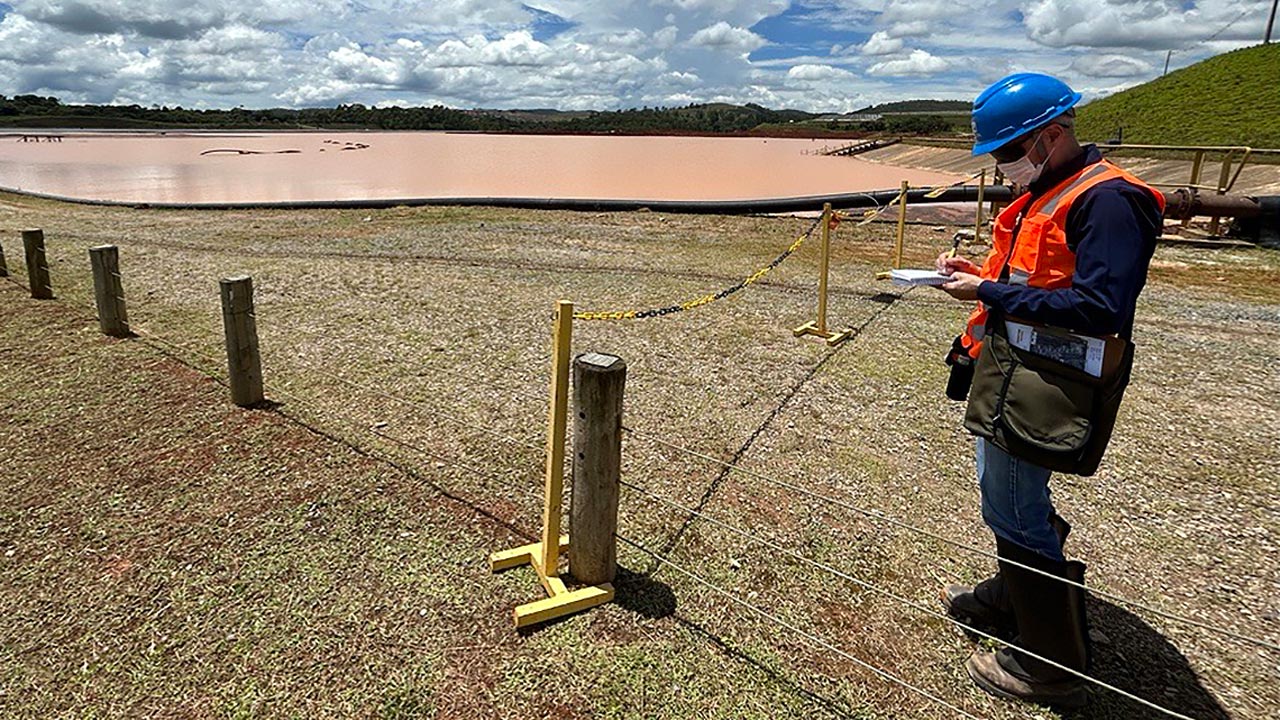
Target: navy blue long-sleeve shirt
[(1112, 229)]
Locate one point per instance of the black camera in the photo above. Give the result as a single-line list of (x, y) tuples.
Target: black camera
[(961, 371)]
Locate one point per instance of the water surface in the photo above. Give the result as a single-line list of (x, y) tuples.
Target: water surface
[(320, 166)]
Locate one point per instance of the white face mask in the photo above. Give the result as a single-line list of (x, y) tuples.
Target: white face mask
[(1022, 171)]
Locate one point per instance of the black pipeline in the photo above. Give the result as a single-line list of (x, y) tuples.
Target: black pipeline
[(1180, 203)]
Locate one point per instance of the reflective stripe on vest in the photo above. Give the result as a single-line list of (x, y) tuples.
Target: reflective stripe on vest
[(1039, 256)]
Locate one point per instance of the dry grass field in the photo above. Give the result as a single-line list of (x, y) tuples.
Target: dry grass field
[(166, 554)]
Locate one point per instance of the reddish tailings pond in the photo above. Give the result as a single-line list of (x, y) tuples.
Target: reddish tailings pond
[(321, 166)]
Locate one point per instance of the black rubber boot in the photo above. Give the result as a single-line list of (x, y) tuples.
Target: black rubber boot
[(986, 606), (1052, 624)]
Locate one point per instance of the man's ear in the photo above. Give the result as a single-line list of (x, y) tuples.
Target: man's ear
[(1053, 137)]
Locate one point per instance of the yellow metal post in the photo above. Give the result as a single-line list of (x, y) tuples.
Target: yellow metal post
[(1197, 165), (977, 219), (562, 342), (902, 225), (825, 263), (818, 328), (1224, 176), (1224, 182), (544, 555), (997, 178)]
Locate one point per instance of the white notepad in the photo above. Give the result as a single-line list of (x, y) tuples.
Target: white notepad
[(917, 277)]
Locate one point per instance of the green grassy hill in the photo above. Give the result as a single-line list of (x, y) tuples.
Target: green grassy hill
[(941, 107), (1230, 99)]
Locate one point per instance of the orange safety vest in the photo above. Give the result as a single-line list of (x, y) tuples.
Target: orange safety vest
[(1040, 257)]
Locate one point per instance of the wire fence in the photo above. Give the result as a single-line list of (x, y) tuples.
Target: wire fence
[(890, 520), (870, 587), (816, 640)]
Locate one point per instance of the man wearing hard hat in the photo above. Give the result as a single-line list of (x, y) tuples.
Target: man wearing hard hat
[(1047, 352)]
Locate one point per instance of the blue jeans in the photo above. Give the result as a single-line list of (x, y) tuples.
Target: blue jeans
[(1015, 500)]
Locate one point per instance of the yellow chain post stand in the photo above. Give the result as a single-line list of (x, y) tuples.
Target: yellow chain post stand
[(902, 226), (818, 328), (544, 556), (932, 194)]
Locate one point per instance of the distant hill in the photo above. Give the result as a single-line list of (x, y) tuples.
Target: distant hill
[(1229, 99), (714, 118), (704, 118), (901, 118), (919, 107)]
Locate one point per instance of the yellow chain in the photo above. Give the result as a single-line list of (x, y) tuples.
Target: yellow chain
[(702, 300), (753, 278)]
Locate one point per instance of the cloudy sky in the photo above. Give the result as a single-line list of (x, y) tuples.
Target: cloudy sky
[(821, 55)]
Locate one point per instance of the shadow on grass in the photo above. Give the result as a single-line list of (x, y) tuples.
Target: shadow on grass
[(633, 591), (643, 595), (1133, 656), (409, 471), (887, 300), (835, 707), (650, 598)]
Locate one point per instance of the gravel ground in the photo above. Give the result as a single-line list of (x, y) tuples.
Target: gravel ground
[(165, 553)]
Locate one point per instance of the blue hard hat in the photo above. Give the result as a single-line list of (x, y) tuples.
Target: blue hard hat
[(1016, 105)]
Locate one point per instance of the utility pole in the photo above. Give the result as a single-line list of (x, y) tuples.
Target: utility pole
[(1166, 63), (1271, 22)]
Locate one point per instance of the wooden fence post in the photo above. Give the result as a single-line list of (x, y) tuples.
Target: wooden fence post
[(599, 381), (37, 264), (108, 291), (243, 364)]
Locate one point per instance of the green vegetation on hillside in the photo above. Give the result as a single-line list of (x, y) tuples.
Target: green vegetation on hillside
[(943, 107), (713, 118), (1230, 99)]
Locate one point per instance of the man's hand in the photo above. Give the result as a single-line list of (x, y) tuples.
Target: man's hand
[(948, 264), (963, 286)]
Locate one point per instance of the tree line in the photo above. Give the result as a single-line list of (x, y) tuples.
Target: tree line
[(713, 118)]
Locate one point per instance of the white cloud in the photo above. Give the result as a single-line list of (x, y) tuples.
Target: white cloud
[(685, 79), (1111, 66), (519, 49), (881, 44), (1148, 24), (21, 41), (992, 69), (666, 37), (910, 28), (737, 12), (352, 64), (150, 18), (633, 39), (818, 73), (723, 36), (909, 10), (919, 62), (603, 54)]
